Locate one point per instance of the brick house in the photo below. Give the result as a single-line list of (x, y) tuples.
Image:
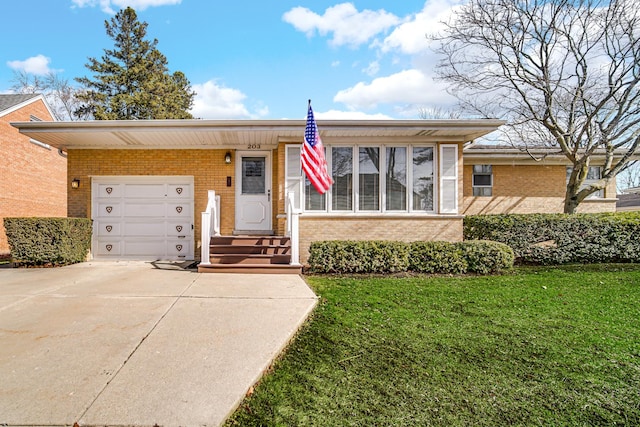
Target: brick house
[(33, 174), (503, 179), (166, 189)]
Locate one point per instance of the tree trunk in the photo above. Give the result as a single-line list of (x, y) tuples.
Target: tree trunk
[(570, 203)]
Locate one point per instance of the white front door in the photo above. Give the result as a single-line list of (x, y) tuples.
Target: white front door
[(253, 191)]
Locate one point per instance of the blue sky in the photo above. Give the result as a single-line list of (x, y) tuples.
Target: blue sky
[(250, 59)]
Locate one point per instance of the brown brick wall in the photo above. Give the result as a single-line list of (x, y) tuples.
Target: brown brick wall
[(33, 179), (528, 189), (206, 166)]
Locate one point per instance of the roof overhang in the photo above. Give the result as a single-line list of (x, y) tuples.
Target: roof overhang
[(501, 155), (238, 134)]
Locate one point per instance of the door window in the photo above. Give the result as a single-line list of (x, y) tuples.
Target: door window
[(253, 175)]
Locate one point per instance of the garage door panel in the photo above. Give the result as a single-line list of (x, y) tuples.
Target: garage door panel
[(146, 248), (177, 248), (109, 191), (143, 217), (179, 191), (146, 210), (179, 228), (179, 210), (109, 209), (107, 248), (144, 229), (145, 191), (108, 228)]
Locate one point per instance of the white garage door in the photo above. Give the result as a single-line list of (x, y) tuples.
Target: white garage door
[(143, 217)]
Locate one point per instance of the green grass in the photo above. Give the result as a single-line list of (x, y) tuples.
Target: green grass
[(541, 346)]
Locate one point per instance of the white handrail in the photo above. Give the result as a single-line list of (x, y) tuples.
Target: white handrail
[(293, 228), (210, 225)]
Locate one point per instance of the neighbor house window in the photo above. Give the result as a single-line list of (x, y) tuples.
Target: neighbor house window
[(593, 175), (482, 180), (380, 178)]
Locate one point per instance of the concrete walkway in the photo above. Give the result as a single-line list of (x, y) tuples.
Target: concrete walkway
[(133, 343)]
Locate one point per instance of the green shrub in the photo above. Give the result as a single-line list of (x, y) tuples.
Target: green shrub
[(347, 257), (559, 239), (436, 257), (484, 257), (358, 257), (48, 241)]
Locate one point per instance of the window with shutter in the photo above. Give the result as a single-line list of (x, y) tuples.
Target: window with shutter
[(448, 178)]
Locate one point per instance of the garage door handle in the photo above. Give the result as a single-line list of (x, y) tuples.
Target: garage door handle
[(181, 237)]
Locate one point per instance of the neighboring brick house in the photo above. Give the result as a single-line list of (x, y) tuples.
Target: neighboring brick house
[(629, 200), (33, 174), (145, 183), (503, 179)]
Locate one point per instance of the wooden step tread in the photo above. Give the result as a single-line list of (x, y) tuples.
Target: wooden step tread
[(249, 259), (250, 268)]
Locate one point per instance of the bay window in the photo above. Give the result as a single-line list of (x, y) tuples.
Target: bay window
[(383, 178)]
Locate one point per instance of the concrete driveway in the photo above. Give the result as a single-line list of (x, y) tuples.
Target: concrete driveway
[(134, 343)]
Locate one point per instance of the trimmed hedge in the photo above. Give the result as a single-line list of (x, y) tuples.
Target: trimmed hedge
[(358, 257), (347, 257), (48, 241), (550, 239)]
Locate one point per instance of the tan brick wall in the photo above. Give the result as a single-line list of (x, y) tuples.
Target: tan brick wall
[(391, 228), (33, 178), (527, 189), (206, 166)]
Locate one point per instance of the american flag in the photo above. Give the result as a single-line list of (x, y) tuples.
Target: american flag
[(313, 160)]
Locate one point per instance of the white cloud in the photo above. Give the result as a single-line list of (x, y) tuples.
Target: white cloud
[(38, 65), (410, 36), (407, 87), (106, 5), (348, 25), (372, 69), (214, 101)]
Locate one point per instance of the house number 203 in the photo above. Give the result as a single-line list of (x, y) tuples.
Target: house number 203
[(253, 147)]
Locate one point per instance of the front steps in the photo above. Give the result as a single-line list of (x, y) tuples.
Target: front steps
[(250, 254)]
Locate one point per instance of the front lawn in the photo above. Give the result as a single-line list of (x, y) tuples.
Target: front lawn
[(541, 346)]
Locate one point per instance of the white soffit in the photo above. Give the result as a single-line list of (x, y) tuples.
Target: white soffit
[(239, 134)]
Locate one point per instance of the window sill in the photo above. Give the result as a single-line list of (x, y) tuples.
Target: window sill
[(380, 215), (600, 200)]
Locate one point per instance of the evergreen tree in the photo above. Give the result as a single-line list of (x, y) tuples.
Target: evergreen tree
[(132, 80)]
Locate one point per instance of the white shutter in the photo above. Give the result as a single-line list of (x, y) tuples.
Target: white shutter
[(449, 178)]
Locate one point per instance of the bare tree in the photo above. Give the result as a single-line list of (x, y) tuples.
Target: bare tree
[(562, 72), (630, 178), (428, 112), (60, 95)]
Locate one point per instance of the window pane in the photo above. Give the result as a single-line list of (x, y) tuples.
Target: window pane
[(423, 178), (481, 168), (593, 173), (253, 177), (482, 180), (294, 168), (369, 179), (342, 172), (482, 191), (396, 179), (313, 201)]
